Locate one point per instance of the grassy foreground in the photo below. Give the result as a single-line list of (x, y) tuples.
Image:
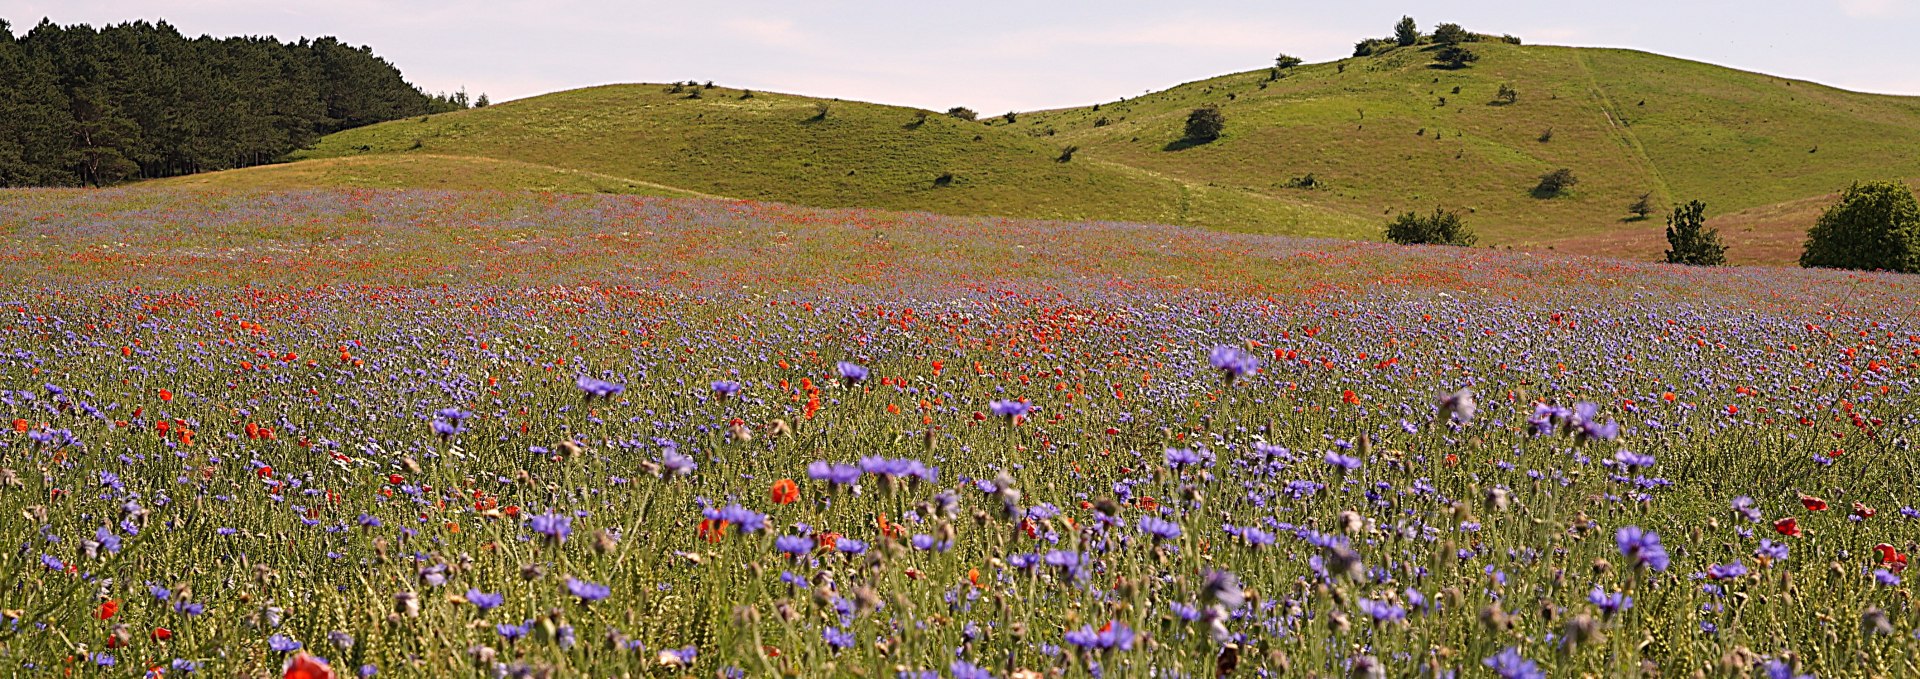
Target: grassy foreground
[(450, 434)]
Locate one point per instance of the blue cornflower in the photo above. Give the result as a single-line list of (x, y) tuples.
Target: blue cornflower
[(837, 639), (281, 643), (1508, 664), (793, 544), (1642, 546), (726, 388), (853, 373), (1159, 528), (1178, 457), (588, 592), (1609, 603), (556, 527), (1232, 362), (597, 388), (833, 472), (1009, 409), (1383, 611), (1115, 636), (485, 601), (961, 669)]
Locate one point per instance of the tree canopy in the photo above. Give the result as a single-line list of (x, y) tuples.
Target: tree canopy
[(80, 105), (1874, 226)]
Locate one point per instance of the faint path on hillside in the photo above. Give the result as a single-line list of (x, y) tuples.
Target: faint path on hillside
[(1622, 132)]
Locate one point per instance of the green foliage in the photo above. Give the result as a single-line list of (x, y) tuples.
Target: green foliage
[(140, 100), (962, 113), (1641, 206), (1443, 227), (1372, 46), (1689, 241), (1506, 95), (1554, 183), (1455, 57), (1066, 153), (1407, 32), (1205, 124), (482, 102), (1451, 34), (1874, 226), (1286, 61)]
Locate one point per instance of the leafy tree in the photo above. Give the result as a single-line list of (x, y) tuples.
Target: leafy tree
[(1506, 94), (962, 113), (483, 101), (1689, 241), (138, 100), (1641, 206), (1555, 183), (1874, 226), (1286, 61), (1443, 227), (1406, 33), (1450, 34), (1204, 124), (1455, 57)]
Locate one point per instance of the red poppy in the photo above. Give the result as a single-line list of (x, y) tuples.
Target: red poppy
[(1863, 511), (161, 634), (107, 609), (1349, 397), (303, 666), (1813, 504), (1788, 527), (826, 541), (20, 425), (1890, 557), (785, 492), (166, 395), (713, 530)]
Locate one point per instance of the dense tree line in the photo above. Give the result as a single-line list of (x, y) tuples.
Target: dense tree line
[(80, 106)]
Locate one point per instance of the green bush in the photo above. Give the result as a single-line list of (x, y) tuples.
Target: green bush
[(1372, 46), (1450, 34), (1204, 124), (1874, 226), (1285, 61), (1455, 57), (1443, 227), (1689, 240), (1555, 183), (962, 113)]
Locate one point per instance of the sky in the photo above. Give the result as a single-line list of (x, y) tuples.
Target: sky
[(1000, 55)]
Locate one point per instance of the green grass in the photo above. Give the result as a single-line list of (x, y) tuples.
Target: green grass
[(1371, 130), (459, 173), (777, 147)]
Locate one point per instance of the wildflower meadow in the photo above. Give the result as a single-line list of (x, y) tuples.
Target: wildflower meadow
[(412, 433)]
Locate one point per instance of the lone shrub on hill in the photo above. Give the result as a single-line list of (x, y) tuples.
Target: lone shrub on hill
[(1506, 95), (1689, 241), (1406, 33), (1455, 57), (1555, 183), (962, 113), (1204, 124), (1874, 226), (1286, 61), (1372, 46), (1443, 227), (1641, 206), (1450, 34)]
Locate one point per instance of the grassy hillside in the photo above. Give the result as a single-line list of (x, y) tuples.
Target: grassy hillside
[(1389, 133), (779, 147), (1379, 135), (422, 171)]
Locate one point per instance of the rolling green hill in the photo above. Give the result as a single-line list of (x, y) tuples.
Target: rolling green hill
[(1378, 135)]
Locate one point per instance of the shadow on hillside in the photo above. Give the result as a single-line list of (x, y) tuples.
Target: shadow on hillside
[(1185, 143)]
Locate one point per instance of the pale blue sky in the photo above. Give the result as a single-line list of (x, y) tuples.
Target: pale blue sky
[(999, 55)]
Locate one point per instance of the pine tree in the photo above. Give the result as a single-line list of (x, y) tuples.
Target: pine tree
[(1688, 239)]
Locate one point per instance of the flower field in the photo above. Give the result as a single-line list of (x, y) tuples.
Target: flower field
[(411, 433)]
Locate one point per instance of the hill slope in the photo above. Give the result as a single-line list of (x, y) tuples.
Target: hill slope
[(779, 147), (1379, 135)]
